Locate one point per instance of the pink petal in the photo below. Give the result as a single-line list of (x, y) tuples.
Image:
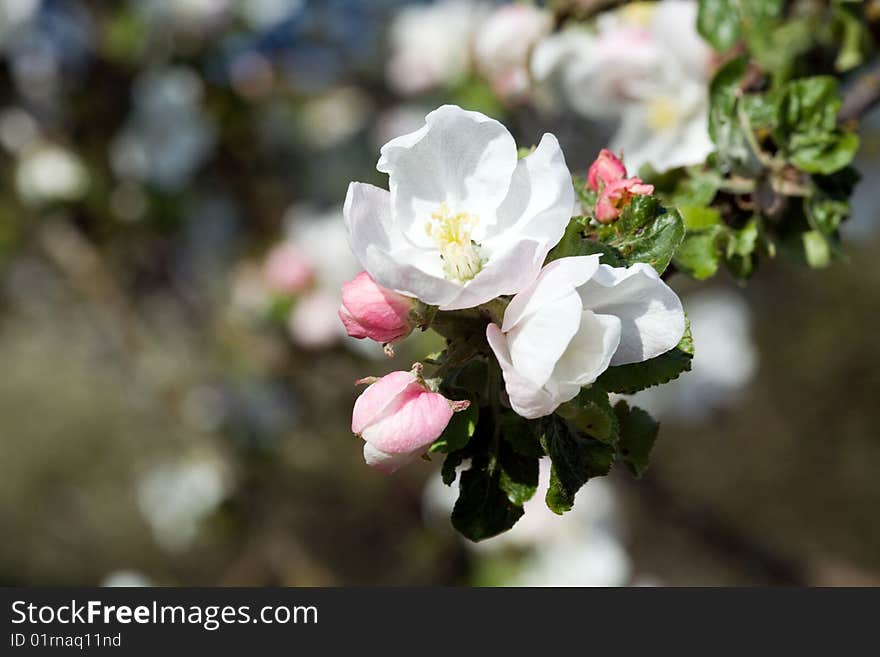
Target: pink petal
[(606, 169), (382, 397), (414, 425), (372, 311)]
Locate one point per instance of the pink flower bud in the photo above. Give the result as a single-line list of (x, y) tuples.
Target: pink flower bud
[(616, 195), (369, 310), (606, 169), (398, 417), (287, 270)]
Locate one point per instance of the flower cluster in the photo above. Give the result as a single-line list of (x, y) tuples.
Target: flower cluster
[(644, 63), (461, 243)]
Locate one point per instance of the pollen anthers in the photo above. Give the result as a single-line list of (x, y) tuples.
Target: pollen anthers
[(451, 232), (663, 113)]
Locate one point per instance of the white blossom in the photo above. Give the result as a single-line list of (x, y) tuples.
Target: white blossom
[(645, 63), (431, 44), (573, 322), (464, 220)]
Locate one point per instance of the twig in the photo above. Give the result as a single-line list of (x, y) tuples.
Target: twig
[(862, 96), (722, 537)]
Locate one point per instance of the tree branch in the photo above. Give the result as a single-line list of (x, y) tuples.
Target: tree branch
[(862, 96)]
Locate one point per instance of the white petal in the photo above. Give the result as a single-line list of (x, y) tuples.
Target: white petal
[(367, 214), (556, 280), (462, 158), (538, 341), (541, 197), (590, 351), (527, 399), (651, 314), (385, 462), (673, 23), (506, 272), (384, 253)]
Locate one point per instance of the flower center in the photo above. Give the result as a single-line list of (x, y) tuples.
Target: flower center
[(452, 235), (663, 113), (638, 14)]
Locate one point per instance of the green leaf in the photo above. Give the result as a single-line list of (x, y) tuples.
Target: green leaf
[(654, 243), (698, 256), (808, 130), (518, 476), (718, 22), (591, 413), (697, 189), (575, 243), (740, 248), (697, 217), (483, 509), (727, 127), (762, 111), (826, 213), (458, 432), (576, 458), (638, 432), (629, 379), (450, 464), (523, 436), (827, 156), (817, 251), (469, 380)]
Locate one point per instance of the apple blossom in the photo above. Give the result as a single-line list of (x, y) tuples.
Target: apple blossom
[(573, 322), (607, 175), (646, 64), (605, 169), (430, 45), (313, 322), (398, 417), (616, 195), (287, 270), (464, 220), (503, 42), (369, 310)]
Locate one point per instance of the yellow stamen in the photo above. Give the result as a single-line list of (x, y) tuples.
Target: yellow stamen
[(452, 235), (663, 113), (637, 14)]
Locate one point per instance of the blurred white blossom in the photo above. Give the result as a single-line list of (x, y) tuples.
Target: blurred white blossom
[(431, 44), (126, 579), (725, 359), (503, 43), (581, 548), (48, 172), (645, 63), (335, 116), (175, 497), (17, 129)]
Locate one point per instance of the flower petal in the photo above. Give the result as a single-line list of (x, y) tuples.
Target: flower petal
[(385, 462), (538, 341), (590, 351), (651, 314), (380, 398), (462, 158), (506, 272), (555, 281), (541, 199), (413, 425), (383, 252), (526, 398)]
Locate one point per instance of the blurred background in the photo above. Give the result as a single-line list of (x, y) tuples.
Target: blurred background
[(175, 387)]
